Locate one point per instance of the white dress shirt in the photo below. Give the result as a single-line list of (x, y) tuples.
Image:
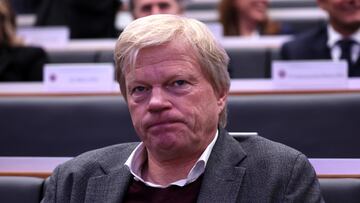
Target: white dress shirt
[(139, 156), (335, 49)]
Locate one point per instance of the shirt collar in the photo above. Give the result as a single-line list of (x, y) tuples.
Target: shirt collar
[(139, 155)]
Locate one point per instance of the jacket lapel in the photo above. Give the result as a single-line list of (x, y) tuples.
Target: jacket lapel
[(108, 188), (320, 49), (223, 175)]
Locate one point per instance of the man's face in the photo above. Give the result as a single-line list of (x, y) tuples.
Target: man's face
[(173, 107), (253, 10), (342, 12), (144, 8)]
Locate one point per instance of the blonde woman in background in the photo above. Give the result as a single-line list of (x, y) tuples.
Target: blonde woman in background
[(17, 62)]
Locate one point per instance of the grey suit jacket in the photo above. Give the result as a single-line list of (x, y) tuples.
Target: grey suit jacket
[(249, 169)]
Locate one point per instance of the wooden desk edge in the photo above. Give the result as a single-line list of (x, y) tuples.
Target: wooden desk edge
[(338, 176), (29, 174)]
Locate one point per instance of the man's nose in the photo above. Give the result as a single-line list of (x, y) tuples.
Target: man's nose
[(155, 10), (159, 100)]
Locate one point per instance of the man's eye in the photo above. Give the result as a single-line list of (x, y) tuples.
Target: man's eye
[(146, 8), (178, 83), (138, 89)]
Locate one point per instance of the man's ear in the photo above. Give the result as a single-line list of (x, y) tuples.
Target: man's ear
[(221, 101)]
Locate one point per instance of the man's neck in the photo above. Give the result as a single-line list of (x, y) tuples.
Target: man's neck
[(166, 172)]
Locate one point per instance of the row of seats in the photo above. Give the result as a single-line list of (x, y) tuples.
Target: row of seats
[(29, 6), (30, 189), (91, 56), (244, 63), (320, 126), (212, 4)]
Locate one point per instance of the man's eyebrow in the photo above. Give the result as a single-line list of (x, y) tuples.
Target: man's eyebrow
[(146, 5), (182, 76)]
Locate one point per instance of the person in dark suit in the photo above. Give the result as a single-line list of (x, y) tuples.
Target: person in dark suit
[(85, 18), (173, 76), (339, 39), (17, 62)]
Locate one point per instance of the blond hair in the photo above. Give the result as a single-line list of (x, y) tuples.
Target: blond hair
[(160, 29)]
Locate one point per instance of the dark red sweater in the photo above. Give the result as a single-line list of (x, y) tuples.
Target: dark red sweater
[(138, 192)]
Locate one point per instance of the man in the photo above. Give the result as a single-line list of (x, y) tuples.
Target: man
[(173, 76), (142, 8), (340, 39)]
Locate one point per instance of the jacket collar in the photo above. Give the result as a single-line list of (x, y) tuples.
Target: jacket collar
[(111, 186), (223, 174), (221, 182)]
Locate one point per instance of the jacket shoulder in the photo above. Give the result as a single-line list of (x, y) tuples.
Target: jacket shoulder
[(69, 181), (299, 46), (284, 173), (258, 146), (93, 161)]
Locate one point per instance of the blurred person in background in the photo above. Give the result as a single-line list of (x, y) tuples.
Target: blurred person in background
[(85, 18), (338, 39), (247, 18), (17, 62), (142, 8)]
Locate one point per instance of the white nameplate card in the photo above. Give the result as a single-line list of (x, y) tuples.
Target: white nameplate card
[(305, 74), (47, 37), (94, 77)]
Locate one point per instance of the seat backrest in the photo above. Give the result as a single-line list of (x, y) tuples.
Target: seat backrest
[(62, 126), (337, 190), (72, 57), (249, 63), (17, 189), (320, 126), (293, 4), (105, 57)]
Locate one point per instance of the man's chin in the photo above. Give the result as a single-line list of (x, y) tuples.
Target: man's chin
[(164, 141)]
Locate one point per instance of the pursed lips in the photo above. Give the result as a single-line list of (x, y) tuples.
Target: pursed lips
[(162, 123)]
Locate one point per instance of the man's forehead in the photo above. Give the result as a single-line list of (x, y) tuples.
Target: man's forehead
[(175, 49), (170, 54)]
